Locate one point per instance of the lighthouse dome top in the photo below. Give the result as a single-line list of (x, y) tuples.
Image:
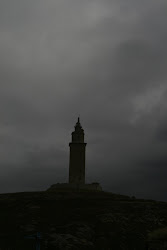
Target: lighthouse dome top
[(78, 127), (78, 134)]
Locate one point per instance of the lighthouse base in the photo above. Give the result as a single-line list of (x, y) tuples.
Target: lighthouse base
[(63, 187)]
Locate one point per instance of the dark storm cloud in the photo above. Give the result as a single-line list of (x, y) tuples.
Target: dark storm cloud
[(105, 60), (162, 133)]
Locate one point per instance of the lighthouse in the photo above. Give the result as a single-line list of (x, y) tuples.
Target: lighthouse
[(76, 182), (77, 155)]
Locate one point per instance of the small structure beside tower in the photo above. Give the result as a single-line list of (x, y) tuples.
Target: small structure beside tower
[(76, 165)]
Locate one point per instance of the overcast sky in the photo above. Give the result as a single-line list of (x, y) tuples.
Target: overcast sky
[(103, 59)]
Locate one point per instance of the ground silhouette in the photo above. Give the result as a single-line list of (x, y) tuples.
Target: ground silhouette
[(81, 220)]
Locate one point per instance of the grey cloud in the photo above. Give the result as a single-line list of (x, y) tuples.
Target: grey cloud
[(104, 60)]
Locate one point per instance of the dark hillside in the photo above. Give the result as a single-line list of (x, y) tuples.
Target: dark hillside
[(85, 220)]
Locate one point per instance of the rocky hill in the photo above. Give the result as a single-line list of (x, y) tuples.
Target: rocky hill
[(81, 220)]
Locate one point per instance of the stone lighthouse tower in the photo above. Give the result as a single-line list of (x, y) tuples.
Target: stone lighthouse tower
[(77, 156), (76, 166)]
